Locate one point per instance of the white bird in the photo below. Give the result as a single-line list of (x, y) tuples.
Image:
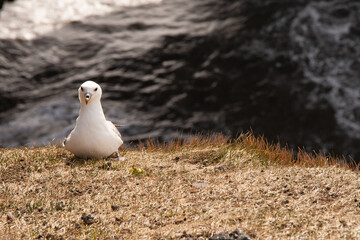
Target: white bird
[(93, 136)]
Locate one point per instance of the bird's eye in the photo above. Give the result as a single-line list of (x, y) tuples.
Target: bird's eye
[(81, 88), (95, 89)]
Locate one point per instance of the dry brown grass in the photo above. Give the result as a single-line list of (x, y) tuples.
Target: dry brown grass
[(192, 189)]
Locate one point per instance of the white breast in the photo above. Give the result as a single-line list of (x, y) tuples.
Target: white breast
[(93, 136)]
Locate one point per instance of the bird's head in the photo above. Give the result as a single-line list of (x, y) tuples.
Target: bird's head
[(89, 92)]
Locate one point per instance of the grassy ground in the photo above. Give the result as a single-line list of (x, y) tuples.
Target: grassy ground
[(203, 187)]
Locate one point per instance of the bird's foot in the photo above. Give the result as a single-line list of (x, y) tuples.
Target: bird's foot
[(118, 158)]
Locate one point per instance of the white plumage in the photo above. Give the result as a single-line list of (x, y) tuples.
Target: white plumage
[(93, 136)]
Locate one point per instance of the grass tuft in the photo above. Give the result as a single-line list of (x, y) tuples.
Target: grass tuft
[(273, 153)]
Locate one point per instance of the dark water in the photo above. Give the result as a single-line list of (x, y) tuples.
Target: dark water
[(287, 69)]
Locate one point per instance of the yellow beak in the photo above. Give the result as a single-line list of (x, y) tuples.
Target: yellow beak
[(87, 97)]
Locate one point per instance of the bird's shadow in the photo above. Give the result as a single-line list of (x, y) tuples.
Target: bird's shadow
[(80, 162), (75, 161)]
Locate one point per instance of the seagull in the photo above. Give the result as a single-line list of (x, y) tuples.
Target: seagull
[(93, 136)]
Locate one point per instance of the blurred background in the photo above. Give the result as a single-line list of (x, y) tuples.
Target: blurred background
[(287, 69)]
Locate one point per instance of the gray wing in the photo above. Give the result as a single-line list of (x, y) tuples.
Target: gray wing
[(66, 139), (112, 126)]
